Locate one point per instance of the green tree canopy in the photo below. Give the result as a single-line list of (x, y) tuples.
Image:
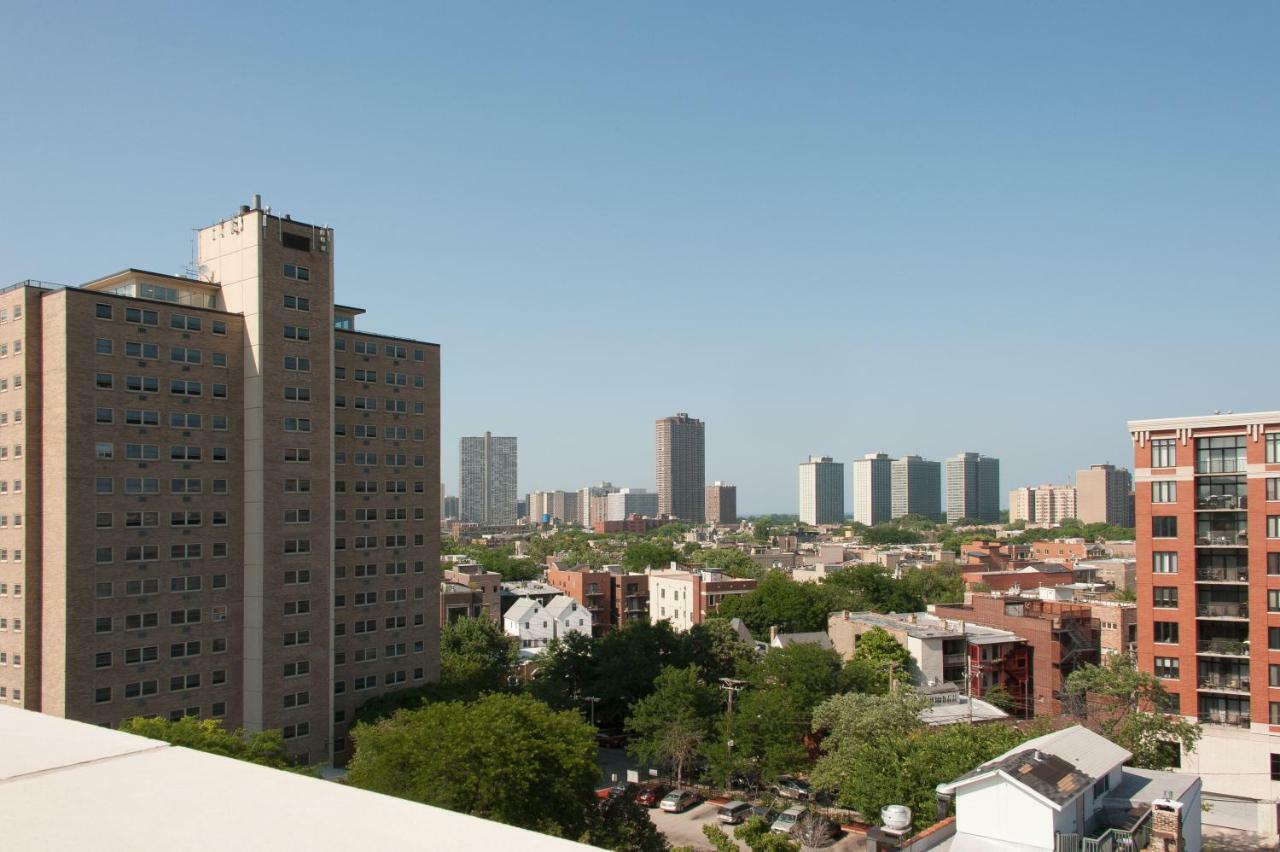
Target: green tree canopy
[(730, 560), (265, 748), (718, 651), (873, 587), (475, 656), (508, 758), (619, 823), (809, 674), (669, 724), (778, 600), (882, 655), (648, 553), (878, 752), (1127, 706), (890, 533)]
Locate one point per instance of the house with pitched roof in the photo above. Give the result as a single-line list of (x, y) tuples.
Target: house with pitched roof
[(1069, 791)]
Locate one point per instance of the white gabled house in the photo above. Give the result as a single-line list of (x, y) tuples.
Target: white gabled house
[(1069, 791), (534, 625)]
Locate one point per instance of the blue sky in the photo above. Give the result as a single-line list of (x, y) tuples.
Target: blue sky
[(826, 228)]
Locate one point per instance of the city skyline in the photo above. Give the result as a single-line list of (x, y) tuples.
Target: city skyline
[(970, 169)]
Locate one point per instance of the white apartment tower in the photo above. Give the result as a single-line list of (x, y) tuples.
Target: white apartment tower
[(821, 491)]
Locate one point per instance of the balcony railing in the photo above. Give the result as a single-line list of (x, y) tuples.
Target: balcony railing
[(1110, 840), (1225, 717), (1218, 574), (1235, 683), (1223, 647), (1222, 538), (1222, 610), (1223, 501)]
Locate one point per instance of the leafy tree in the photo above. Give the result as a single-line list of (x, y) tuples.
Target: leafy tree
[(730, 560), (934, 584), (475, 656), (890, 533), (648, 554), (767, 731), (508, 758), (564, 671), (669, 724), (265, 748), (873, 587), (1000, 698), (720, 841), (778, 600), (718, 651), (880, 653), (756, 834), (619, 823), (878, 752), (1126, 706), (809, 674)]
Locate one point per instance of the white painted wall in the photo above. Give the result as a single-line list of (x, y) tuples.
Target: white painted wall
[(1000, 810), (1236, 762)]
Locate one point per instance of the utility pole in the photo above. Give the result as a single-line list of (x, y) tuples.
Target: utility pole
[(732, 686), (593, 701)]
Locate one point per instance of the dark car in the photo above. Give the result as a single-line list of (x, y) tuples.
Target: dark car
[(764, 813), (651, 794), (791, 788), (622, 788), (611, 739)]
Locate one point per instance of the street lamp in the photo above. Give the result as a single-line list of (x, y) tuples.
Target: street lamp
[(594, 701)]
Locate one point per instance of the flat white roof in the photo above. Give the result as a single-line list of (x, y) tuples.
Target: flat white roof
[(1205, 421), (68, 785)]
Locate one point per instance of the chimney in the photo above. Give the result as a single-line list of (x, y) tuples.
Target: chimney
[(773, 632), (1166, 825), (257, 201)]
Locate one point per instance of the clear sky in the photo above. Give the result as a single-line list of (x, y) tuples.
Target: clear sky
[(829, 228)]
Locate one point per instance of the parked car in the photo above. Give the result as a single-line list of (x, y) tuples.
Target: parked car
[(791, 788), (787, 820), (611, 739), (768, 815), (734, 812), (650, 795), (678, 801), (622, 788)]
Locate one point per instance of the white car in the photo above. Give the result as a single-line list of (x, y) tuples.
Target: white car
[(679, 800), (787, 820)]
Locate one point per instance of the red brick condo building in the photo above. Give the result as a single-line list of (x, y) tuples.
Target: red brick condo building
[(1207, 500)]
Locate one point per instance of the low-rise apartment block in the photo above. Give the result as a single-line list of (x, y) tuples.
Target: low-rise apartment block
[(1061, 636), (686, 598)]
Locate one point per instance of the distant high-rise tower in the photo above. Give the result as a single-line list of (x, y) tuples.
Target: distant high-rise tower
[(821, 491), (1103, 495), (873, 489), (681, 454), (973, 487), (722, 503), (487, 480), (917, 488)]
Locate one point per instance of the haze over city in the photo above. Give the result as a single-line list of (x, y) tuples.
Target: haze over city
[(829, 230)]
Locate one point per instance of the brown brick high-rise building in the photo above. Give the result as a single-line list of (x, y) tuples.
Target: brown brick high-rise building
[(722, 503), (681, 467), (217, 497)]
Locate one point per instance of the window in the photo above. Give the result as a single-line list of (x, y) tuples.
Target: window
[(103, 485), (291, 271), (145, 654), (1273, 448), (1273, 600), (219, 327), (184, 355), (105, 450), (1273, 526), (1273, 564), (1273, 638), (1165, 562), (297, 332), (104, 415), (143, 351), (141, 417), (141, 384), (181, 387), (218, 359), (1167, 632), (1275, 713), (297, 424), (1164, 491), (1163, 452), (297, 364), (141, 452), (1273, 672), (184, 322), (296, 394), (102, 311), (297, 303), (185, 420), (1221, 454), (1166, 667), (140, 316), (1164, 526)]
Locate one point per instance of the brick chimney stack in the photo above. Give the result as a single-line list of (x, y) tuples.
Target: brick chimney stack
[(1166, 826)]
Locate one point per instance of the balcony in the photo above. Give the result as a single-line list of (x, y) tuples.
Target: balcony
[(1222, 610), (1223, 648), (954, 659), (1222, 538), (1223, 682), (1236, 718), (1222, 502), (1219, 574)]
